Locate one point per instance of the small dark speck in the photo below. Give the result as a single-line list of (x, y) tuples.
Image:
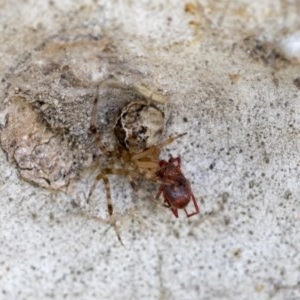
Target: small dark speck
[(50, 295), (251, 184), (226, 221), (225, 197), (90, 269), (34, 215), (287, 194), (296, 82), (185, 119), (237, 253), (74, 204), (176, 233), (212, 165)]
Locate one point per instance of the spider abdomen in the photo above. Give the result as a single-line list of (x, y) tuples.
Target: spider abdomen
[(177, 195), (139, 126)]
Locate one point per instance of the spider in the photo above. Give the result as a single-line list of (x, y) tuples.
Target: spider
[(176, 188), (145, 163)]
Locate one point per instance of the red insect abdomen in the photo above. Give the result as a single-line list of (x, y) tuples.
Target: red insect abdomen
[(178, 195)]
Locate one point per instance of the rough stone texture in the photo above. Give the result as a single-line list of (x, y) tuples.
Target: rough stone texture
[(228, 86)]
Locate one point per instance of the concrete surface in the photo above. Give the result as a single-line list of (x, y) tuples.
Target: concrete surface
[(237, 96)]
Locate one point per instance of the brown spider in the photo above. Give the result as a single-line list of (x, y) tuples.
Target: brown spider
[(144, 164), (176, 188)]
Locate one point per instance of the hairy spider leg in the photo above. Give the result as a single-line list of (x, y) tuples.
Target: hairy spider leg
[(140, 89), (93, 128), (103, 176), (154, 150), (147, 161), (110, 207), (149, 94)]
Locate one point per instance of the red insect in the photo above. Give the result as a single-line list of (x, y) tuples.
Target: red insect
[(176, 188)]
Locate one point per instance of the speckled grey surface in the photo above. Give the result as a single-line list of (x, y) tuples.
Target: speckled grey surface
[(239, 102)]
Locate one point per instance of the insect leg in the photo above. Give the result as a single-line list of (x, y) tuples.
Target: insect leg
[(196, 208)]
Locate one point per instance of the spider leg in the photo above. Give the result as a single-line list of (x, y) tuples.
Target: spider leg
[(148, 93), (132, 183), (110, 206), (160, 190), (103, 176), (154, 151), (94, 185), (166, 201), (140, 89), (170, 140), (93, 127), (130, 177), (174, 210), (105, 172), (168, 204), (196, 208)]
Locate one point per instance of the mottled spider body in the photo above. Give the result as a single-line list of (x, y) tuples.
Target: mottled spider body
[(139, 126), (176, 188)]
